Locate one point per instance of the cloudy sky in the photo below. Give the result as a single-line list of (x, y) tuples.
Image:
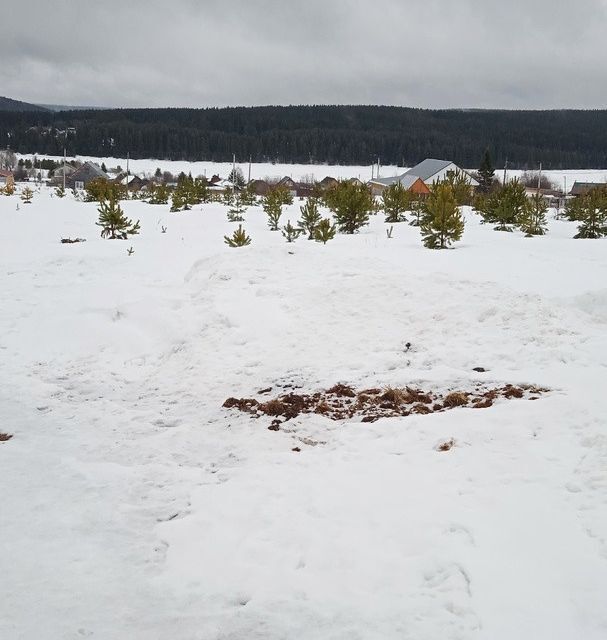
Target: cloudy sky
[(426, 53)]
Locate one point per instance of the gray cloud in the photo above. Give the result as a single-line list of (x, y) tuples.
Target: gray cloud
[(427, 53)]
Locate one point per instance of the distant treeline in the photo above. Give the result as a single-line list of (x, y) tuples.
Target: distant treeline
[(318, 134)]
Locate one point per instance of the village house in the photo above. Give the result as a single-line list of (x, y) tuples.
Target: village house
[(582, 188), (410, 183), (327, 183), (428, 171), (289, 184), (57, 179), (85, 174), (133, 182), (259, 187), (6, 178)]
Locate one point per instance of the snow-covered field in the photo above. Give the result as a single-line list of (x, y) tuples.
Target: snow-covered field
[(135, 507)]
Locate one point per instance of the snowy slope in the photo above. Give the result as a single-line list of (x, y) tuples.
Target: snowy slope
[(136, 507)]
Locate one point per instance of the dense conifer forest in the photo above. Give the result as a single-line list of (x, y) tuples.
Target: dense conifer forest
[(317, 134)]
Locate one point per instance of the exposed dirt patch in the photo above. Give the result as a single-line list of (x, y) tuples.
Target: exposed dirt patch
[(342, 402), (5, 436)]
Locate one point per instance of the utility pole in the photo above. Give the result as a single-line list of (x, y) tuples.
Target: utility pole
[(250, 159), (378, 166), (64, 168), (505, 169), (233, 168), (128, 157), (539, 179)]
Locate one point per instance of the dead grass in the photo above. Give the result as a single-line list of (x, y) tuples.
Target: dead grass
[(455, 399), (446, 446), (343, 402)]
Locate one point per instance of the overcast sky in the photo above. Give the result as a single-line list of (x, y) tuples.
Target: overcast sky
[(197, 53)]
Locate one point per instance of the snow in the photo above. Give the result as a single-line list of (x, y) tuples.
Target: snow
[(135, 506)]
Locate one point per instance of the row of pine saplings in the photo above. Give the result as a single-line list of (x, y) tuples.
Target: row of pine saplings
[(506, 206), (438, 215)]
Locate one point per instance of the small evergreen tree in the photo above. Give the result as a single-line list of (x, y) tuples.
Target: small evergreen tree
[(284, 195), (60, 192), (114, 224), (200, 191), (103, 167), (417, 207), (351, 204), (593, 220), (238, 239), (486, 173), (177, 201), (290, 233), (237, 210), (26, 195), (324, 231), (158, 174), (101, 189), (236, 177), (227, 197), (504, 206), (442, 222), (396, 200), (574, 209), (310, 217), (272, 205), (247, 196), (460, 185), (159, 195), (533, 216)]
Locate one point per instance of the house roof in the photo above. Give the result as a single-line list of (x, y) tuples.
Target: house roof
[(406, 179), (428, 168), (580, 188), (88, 171), (5, 174), (68, 169)]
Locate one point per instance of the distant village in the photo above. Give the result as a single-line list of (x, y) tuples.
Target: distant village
[(418, 180)]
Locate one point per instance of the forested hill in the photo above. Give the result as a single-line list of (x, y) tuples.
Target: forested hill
[(318, 134), (8, 104)]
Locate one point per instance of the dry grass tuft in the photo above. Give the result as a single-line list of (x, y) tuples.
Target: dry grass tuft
[(396, 396), (446, 446), (456, 399)]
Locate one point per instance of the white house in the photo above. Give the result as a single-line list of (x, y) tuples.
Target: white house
[(428, 171), (431, 171)]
